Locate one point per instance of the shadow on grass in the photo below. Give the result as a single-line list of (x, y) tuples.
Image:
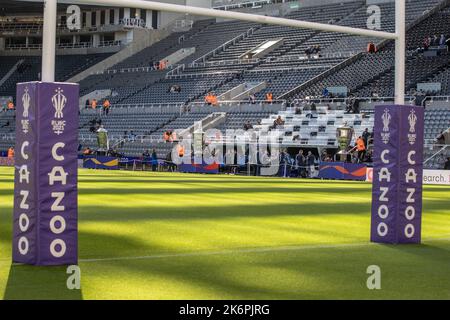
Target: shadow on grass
[(227, 211), (27, 282), (426, 251)]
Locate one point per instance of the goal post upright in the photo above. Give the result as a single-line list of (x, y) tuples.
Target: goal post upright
[(400, 51), (49, 41)]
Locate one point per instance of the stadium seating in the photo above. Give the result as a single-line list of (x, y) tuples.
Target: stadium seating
[(30, 68)]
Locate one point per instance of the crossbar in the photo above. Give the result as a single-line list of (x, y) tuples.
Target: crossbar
[(50, 27)]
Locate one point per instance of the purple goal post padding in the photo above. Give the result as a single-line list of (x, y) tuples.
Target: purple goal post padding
[(45, 230), (397, 175)]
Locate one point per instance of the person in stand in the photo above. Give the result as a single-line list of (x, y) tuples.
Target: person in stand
[(440, 138), (132, 136), (94, 104), (252, 99), (170, 164), (11, 153), (248, 126), (208, 99), (279, 121), (300, 164), (88, 151), (269, 97), (447, 164), (361, 147), (371, 48), (10, 105), (310, 160), (214, 100), (106, 105), (154, 160), (442, 40), (6, 124), (366, 136), (284, 164), (426, 43), (435, 41)]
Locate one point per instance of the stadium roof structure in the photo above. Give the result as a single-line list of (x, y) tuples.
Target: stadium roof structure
[(14, 7)]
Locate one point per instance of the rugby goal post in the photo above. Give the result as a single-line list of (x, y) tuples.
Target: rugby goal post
[(50, 14), (46, 230)]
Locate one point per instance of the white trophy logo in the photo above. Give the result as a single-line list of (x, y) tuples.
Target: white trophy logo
[(386, 120), (59, 102), (26, 102), (412, 118)]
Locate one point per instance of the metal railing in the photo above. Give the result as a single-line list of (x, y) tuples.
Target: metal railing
[(180, 108), (320, 76), (236, 4), (130, 70), (76, 45), (345, 99), (299, 101), (440, 151), (201, 74), (299, 57), (225, 45), (224, 62), (240, 102), (176, 70), (432, 99)]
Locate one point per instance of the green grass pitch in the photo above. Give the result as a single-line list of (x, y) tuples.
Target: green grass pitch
[(180, 236)]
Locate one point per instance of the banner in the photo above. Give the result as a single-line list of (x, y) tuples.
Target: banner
[(199, 168), (7, 162), (108, 163), (45, 190), (342, 171), (438, 177), (397, 174)]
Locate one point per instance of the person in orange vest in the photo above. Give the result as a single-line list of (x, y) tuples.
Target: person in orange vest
[(11, 153), (167, 136), (371, 48), (361, 147), (94, 104), (87, 151), (269, 97), (163, 64), (106, 105), (180, 149), (214, 100), (10, 105), (208, 98)]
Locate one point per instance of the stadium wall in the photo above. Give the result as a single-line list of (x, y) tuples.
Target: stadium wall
[(142, 39), (166, 18), (281, 9)]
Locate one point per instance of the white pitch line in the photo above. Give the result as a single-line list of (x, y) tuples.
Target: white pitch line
[(239, 251), (249, 250)]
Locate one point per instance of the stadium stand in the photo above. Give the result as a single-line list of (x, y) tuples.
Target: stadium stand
[(28, 68)]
